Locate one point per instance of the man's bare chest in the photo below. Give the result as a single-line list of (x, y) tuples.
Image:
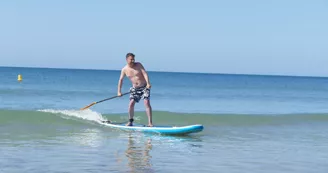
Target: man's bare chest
[(133, 72)]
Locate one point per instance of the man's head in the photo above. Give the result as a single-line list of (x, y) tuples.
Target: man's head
[(130, 59)]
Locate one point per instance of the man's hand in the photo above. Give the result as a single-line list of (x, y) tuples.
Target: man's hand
[(119, 94), (148, 86)]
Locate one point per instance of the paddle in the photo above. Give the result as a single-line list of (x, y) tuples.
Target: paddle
[(102, 101)]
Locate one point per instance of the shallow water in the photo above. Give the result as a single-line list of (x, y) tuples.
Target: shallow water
[(55, 142)]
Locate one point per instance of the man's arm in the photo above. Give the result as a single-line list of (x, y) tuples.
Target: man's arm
[(145, 74), (120, 82)]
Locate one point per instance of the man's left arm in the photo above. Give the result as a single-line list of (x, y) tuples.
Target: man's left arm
[(145, 74)]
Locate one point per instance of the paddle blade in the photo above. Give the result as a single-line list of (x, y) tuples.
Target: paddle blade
[(88, 106)]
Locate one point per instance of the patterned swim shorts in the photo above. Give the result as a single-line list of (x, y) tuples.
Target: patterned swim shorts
[(139, 93)]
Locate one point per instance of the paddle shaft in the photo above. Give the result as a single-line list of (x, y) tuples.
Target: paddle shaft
[(112, 97), (101, 101)]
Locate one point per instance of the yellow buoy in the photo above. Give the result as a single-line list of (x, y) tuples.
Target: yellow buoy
[(20, 78)]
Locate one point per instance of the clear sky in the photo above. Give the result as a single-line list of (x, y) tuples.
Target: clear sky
[(279, 37)]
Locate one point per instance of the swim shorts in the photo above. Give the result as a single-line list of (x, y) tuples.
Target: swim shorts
[(139, 93)]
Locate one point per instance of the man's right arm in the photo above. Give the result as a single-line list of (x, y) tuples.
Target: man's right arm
[(120, 82)]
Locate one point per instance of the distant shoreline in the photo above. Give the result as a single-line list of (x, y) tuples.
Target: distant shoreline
[(179, 72)]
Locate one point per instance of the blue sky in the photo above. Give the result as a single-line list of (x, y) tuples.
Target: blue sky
[(276, 37)]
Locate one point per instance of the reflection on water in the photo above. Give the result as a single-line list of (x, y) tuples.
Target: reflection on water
[(145, 149), (138, 153), (88, 137)]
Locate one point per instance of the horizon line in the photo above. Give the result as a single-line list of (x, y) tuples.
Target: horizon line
[(209, 73)]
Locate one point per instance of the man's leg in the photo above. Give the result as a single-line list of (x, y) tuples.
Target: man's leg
[(149, 112), (131, 112)]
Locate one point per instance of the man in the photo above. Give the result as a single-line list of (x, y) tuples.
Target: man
[(140, 87)]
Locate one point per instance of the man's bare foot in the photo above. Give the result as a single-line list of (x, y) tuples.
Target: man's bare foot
[(150, 125), (129, 124)]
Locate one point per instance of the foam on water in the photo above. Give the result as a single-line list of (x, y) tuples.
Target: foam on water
[(85, 114)]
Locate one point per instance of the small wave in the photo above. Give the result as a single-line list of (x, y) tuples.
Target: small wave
[(53, 116)]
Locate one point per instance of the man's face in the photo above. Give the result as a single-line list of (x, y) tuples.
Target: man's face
[(130, 60)]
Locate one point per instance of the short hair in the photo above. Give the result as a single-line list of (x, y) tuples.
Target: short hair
[(130, 54)]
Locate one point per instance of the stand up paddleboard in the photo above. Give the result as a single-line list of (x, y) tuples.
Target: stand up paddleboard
[(167, 130)]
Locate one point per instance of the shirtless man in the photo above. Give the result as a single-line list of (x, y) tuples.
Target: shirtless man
[(140, 87)]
